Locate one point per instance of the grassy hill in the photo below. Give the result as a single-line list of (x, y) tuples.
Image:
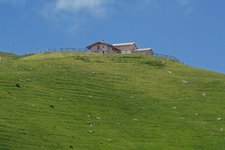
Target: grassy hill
[(7, 56), (91, 101)]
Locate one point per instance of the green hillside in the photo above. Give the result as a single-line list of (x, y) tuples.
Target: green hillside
[(91, 101), (7, 56)]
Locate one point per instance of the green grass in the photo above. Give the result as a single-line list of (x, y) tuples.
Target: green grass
[(7, 56), (91, 101)]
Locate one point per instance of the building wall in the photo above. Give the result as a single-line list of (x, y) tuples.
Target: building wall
[(126, 52), (127, 49), (146, 52), (103, 48)]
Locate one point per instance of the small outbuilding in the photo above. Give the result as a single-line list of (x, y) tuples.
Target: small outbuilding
[(126, 48), (145, 51)]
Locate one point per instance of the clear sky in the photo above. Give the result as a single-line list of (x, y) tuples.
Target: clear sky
[(191, 30)]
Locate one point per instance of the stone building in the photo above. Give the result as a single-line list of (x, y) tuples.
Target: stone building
[(119, 48)]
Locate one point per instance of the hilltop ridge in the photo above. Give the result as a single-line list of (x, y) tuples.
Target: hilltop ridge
[(7, 56), (71, 100)]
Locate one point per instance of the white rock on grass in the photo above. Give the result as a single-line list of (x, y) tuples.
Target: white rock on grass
[(131, 96), (219, 119), (98, 118), (203, 94), (174, 107), (90, 131), (169, 72), (92, 124), (184, 81)]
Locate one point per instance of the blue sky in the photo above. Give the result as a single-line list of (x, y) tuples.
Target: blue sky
[(191, 30)]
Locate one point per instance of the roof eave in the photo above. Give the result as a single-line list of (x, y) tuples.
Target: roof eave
[(98, 43)]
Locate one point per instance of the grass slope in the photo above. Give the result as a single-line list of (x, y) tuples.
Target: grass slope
[(90, 101), (7, 56)]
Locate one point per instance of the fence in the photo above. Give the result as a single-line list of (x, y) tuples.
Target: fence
[(87, 50), (167, 57), (63, 50)]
